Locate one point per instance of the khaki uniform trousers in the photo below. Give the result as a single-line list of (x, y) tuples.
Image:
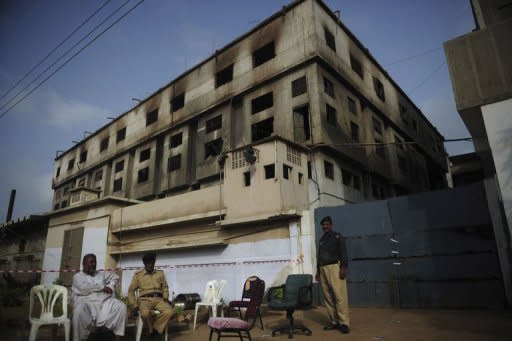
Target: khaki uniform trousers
[(334, 290), (147, 304)]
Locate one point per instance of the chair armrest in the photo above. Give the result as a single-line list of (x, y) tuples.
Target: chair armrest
[(306, 295), (272, 290)]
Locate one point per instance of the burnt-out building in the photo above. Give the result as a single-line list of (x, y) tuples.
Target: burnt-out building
[(238, 150)]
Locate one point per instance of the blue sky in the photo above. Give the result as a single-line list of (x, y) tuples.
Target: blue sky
[(158, 41)]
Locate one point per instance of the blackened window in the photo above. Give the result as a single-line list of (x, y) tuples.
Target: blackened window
[(352, 105), (299, 86), (174, 163), (98, 176), (104, 144), (71, 164), (56, 207), (346, 177), (83, 156), (403, 114), (224, 76), (270, 171), (301, 127), (399, 143), (263, 102), (328, 87), (64, 204), (356, 66), (262, 129), (119, 166), (247, 179), (263, 54), (414, 125), (309, 170), (286, 171), (21, 246), (379, 89), (330, 114), (121, 134), (213, 148), (178, 102), (300, 177), (377, 126), (151, 117), (329, 170), (380, 148), (354, 131), (145, 155), (357, 182), (176, 140), (402, 164), (118, 184), (329, 39), (143, 175), (214, 124), (58, 172)]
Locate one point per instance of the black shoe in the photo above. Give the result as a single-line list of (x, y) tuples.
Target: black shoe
[(331, 326), (344, 329)]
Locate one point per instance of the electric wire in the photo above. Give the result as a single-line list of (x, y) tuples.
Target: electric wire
[(428, 77), (413, 56), (54, 49), (71, 58), (62, 56)]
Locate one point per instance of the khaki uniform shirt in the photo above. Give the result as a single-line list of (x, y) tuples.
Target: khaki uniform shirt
[(148, 283)]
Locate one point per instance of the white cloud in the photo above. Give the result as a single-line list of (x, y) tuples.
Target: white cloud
[(50, 108), (67, 112)]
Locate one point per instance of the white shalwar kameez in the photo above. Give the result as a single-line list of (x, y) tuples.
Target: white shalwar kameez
[(95, 308)]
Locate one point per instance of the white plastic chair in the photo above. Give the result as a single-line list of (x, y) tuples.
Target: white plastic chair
[(140, 323), (212, 298), (48, 296)]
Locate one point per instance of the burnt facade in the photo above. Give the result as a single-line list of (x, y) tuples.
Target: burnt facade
[(302, 76)]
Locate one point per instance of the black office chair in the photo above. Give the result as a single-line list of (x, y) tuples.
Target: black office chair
[(297, 293)]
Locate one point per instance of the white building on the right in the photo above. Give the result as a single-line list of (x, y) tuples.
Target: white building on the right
[(480, 65)]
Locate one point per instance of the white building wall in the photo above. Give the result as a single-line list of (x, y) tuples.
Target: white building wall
[(498, 125), (188, 271)]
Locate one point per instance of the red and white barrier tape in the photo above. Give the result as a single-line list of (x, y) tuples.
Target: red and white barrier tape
[(299, 260)]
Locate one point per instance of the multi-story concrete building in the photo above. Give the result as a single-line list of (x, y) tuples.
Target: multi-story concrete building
[(481, 74), (231, 158)]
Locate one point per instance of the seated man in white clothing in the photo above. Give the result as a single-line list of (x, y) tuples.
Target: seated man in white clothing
[(94, 301)]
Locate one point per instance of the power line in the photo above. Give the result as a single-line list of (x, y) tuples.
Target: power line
[(53, 50), (428, 77), (62, 56), (413, 56)]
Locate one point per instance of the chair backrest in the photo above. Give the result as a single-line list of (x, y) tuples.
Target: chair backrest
[(297, 289), (257, 292), (213, 291), (49, 295), (248, 287)]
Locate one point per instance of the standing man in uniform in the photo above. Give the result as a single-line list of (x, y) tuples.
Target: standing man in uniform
[(153, 294), (331, 273)]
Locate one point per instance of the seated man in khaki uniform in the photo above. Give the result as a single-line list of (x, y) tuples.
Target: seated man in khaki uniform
[(153, 294)]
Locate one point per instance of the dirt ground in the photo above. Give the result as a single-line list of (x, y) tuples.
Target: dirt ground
[(369, 324)]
